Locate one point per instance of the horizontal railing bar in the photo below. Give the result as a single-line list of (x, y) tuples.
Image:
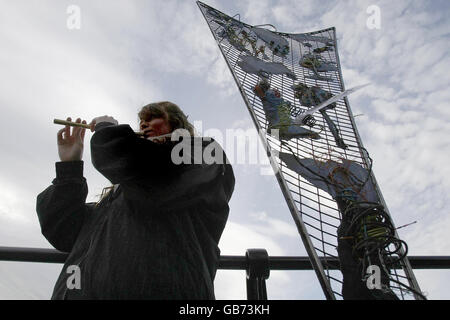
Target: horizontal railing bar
[(226, 262), (32, 255)]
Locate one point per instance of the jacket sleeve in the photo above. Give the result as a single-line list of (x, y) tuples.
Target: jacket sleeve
[(138, 164), (121, 156), (61, 207)]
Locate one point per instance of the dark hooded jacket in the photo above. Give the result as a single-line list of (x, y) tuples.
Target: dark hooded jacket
[(155, 237)]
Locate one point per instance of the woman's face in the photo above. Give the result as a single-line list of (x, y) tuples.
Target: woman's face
[(154, 127)]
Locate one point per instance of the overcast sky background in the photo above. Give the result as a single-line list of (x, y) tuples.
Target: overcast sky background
[(129, 53)]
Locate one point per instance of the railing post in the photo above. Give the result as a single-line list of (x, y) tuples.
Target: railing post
[(258, 271)]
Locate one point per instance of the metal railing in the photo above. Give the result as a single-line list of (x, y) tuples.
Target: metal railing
[(256, 262)]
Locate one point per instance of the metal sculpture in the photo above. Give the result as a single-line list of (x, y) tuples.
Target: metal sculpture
[(292, 81)]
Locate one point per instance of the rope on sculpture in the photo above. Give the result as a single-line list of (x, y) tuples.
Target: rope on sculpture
[(367, 225)]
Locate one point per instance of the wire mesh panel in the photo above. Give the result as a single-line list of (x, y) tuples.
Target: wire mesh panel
[(281, 76)]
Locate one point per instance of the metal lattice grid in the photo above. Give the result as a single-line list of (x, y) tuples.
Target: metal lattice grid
[(314, 211)]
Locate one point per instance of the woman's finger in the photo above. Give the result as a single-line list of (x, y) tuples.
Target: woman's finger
[(76, 130), (83, 131), (67, 129), (60, 135), (92, 125)]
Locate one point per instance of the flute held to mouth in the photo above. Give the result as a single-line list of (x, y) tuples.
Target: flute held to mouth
[(89, 126), (70, 142), (82, 125)]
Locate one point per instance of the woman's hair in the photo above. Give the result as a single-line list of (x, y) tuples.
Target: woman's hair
[(166, 110), (169, 111)]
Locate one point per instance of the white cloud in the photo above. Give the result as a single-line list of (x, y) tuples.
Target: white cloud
[(237, 238), (272, 226)]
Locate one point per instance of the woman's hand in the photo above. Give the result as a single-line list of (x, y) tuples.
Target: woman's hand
[(71, 144), (102, 119)]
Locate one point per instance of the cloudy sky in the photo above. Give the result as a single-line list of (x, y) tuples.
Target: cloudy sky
[(129, 53)]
